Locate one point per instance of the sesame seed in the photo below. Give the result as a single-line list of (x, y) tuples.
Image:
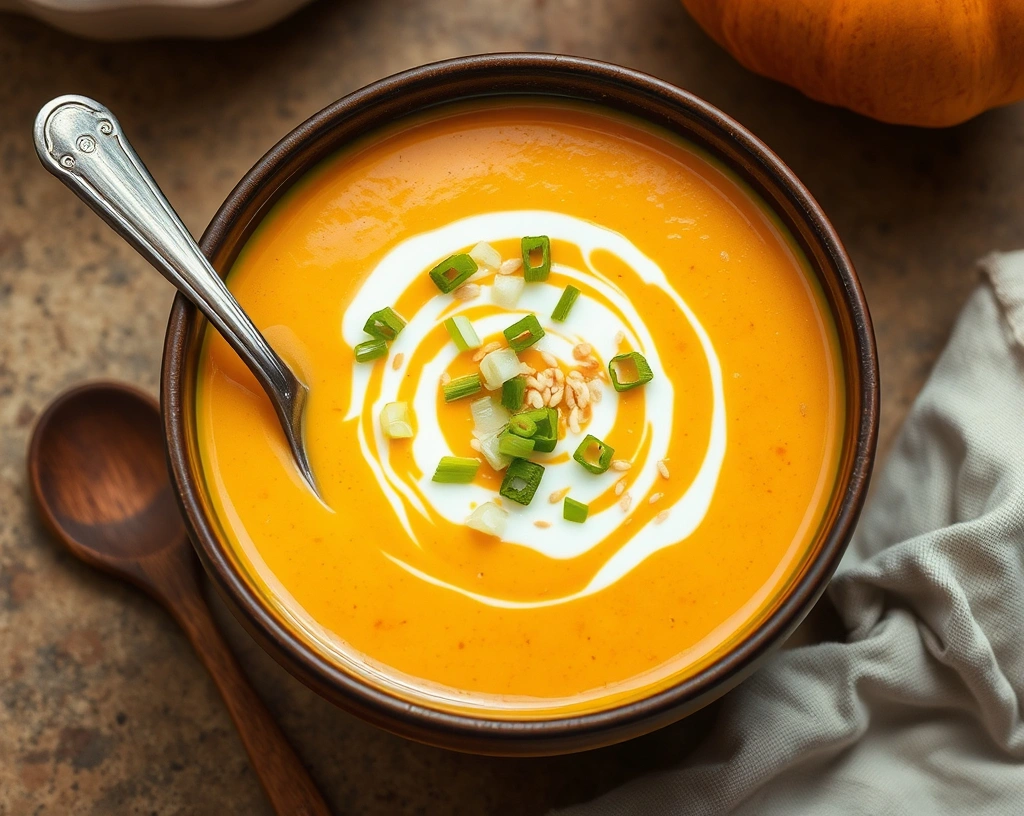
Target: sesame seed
[(620, 338), (397, 362), (620, 487), (663, 468), (595, 390), (658, 519), (542, 524), (510, 266), (468, 291), (626, 502), (654, 497), (446, 378), (574, 420), (484, 351), (581, 351), (558, 495), (621, 464)]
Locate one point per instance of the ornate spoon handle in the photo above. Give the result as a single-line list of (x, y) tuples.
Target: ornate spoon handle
[(81, 143)]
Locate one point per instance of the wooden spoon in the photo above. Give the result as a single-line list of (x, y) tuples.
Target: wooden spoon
[(98, 471)]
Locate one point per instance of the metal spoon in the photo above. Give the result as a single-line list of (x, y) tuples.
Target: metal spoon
[(81, 143), (98, 471)]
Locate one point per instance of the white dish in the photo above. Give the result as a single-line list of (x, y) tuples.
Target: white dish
[(145, 19)]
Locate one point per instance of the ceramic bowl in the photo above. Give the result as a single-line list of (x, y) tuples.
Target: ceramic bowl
[(147, 19), (616, 88)]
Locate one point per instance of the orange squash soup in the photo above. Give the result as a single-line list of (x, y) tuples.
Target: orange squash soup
[(575, 409)]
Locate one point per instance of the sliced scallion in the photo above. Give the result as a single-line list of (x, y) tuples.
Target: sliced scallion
[(499, 367), (456, 470), (513, 392), (452, 272), (521, 481), (565, 303), (462, 332), (515, 446), (488, 417), (489, 448), (370, 350), (396, 420), (546, 436), (539, 271), (489, 518), (385, 324), (594, 454), (629, 370), (573, 510), (506, 289), (522, 425), (486, 255), (461, 387), (524, 333)]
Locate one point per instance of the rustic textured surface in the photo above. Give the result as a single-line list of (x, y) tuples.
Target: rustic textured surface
[(103, 708)]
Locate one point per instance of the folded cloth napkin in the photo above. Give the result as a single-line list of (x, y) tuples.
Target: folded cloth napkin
[(919, 710)]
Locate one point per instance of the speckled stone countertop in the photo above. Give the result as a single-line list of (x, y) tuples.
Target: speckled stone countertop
[(103, 707)]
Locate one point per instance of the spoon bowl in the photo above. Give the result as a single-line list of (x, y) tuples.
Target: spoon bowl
[(100, 484), (98, 472)]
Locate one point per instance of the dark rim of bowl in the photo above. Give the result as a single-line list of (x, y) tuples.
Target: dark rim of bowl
[(612, 87)]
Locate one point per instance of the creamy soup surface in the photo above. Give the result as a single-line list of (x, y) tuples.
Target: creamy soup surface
[(723, 462)]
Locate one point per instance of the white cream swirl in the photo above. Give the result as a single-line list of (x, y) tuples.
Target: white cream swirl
[(591, 322)]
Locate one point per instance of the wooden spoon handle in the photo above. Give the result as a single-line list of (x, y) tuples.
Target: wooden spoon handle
[(285, 780)]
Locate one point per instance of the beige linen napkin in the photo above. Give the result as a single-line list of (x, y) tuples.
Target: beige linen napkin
[(919, 711)]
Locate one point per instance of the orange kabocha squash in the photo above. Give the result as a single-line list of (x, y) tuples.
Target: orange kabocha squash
[(915, 62)]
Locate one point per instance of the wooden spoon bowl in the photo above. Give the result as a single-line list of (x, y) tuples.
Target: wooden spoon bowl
[(97, 468)]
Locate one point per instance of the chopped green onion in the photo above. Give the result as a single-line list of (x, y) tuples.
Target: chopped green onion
[(488, 518), (633, 365), (513, 392), (485, 255), (456, 470), (463, 333), (595, 462), (533, 273), (524, 333), (499, 367), (488, 418), (506, 289), (546, 436), (385, 324), (515, 446), (565, 303), (573, 510), (370, 350), (461, 387), (396, 420), (522, 425), (521, 481), (489, 448), (452, 272)]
